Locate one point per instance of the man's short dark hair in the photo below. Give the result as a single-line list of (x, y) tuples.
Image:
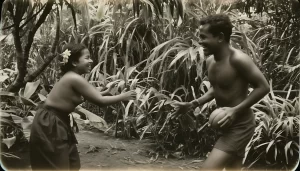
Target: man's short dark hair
[(218, 23)]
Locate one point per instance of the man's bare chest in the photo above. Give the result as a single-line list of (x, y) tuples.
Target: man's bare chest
[(222, 75)]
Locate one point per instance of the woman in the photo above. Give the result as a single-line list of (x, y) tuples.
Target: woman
[(52, 141)]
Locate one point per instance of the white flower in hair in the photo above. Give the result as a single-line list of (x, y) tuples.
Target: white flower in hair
[(65, 56)]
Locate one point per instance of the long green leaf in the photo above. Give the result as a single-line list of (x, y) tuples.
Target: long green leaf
[(127, 108), (286, 148), (30, 88), (121, 40), (178, 56), (269, 146), (145, 130)]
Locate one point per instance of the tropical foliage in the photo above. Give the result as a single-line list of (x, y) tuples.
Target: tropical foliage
[(152, 47), (276, 139)]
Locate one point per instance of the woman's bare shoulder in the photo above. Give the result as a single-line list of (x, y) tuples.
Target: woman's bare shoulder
[(72, 77)]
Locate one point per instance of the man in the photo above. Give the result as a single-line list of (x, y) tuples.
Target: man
[(230, 72)]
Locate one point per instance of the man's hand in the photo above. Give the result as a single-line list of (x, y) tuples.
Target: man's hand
[(182, 107), (230, 115)]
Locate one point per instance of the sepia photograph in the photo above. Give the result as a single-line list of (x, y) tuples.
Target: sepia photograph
[(150, 85)]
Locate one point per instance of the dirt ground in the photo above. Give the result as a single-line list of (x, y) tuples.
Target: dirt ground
[(104, 152), (99, 151)]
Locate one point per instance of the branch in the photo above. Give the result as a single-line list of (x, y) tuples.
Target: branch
[(22, 56), (44, 15), (19, 53), (8, 27), (31, 33), (21, 8), (49, 57), (55, 42), (29, 19), (31, 11), (35, 74), (34, 15), (16, 34)]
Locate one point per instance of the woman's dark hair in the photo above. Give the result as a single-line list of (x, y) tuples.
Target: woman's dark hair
[(218, 23), (76, 52)]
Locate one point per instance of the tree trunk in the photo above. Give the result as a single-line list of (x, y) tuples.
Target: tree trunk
[(23, 55), (21, 64)]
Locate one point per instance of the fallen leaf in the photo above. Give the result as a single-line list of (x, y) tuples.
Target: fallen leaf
[(92, 149), (94, 120)]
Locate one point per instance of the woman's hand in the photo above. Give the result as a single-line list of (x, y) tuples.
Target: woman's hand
[(111, 86), (129, 95)]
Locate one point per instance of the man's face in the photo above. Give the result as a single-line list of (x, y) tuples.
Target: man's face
[(208, 41)]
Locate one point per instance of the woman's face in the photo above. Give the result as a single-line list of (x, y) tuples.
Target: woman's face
[(83, 65)]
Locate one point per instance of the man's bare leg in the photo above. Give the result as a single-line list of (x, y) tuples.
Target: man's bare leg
[(217, 160), (235, 165)]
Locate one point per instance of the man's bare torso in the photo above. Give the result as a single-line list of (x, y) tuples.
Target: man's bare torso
[(230, 88)]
